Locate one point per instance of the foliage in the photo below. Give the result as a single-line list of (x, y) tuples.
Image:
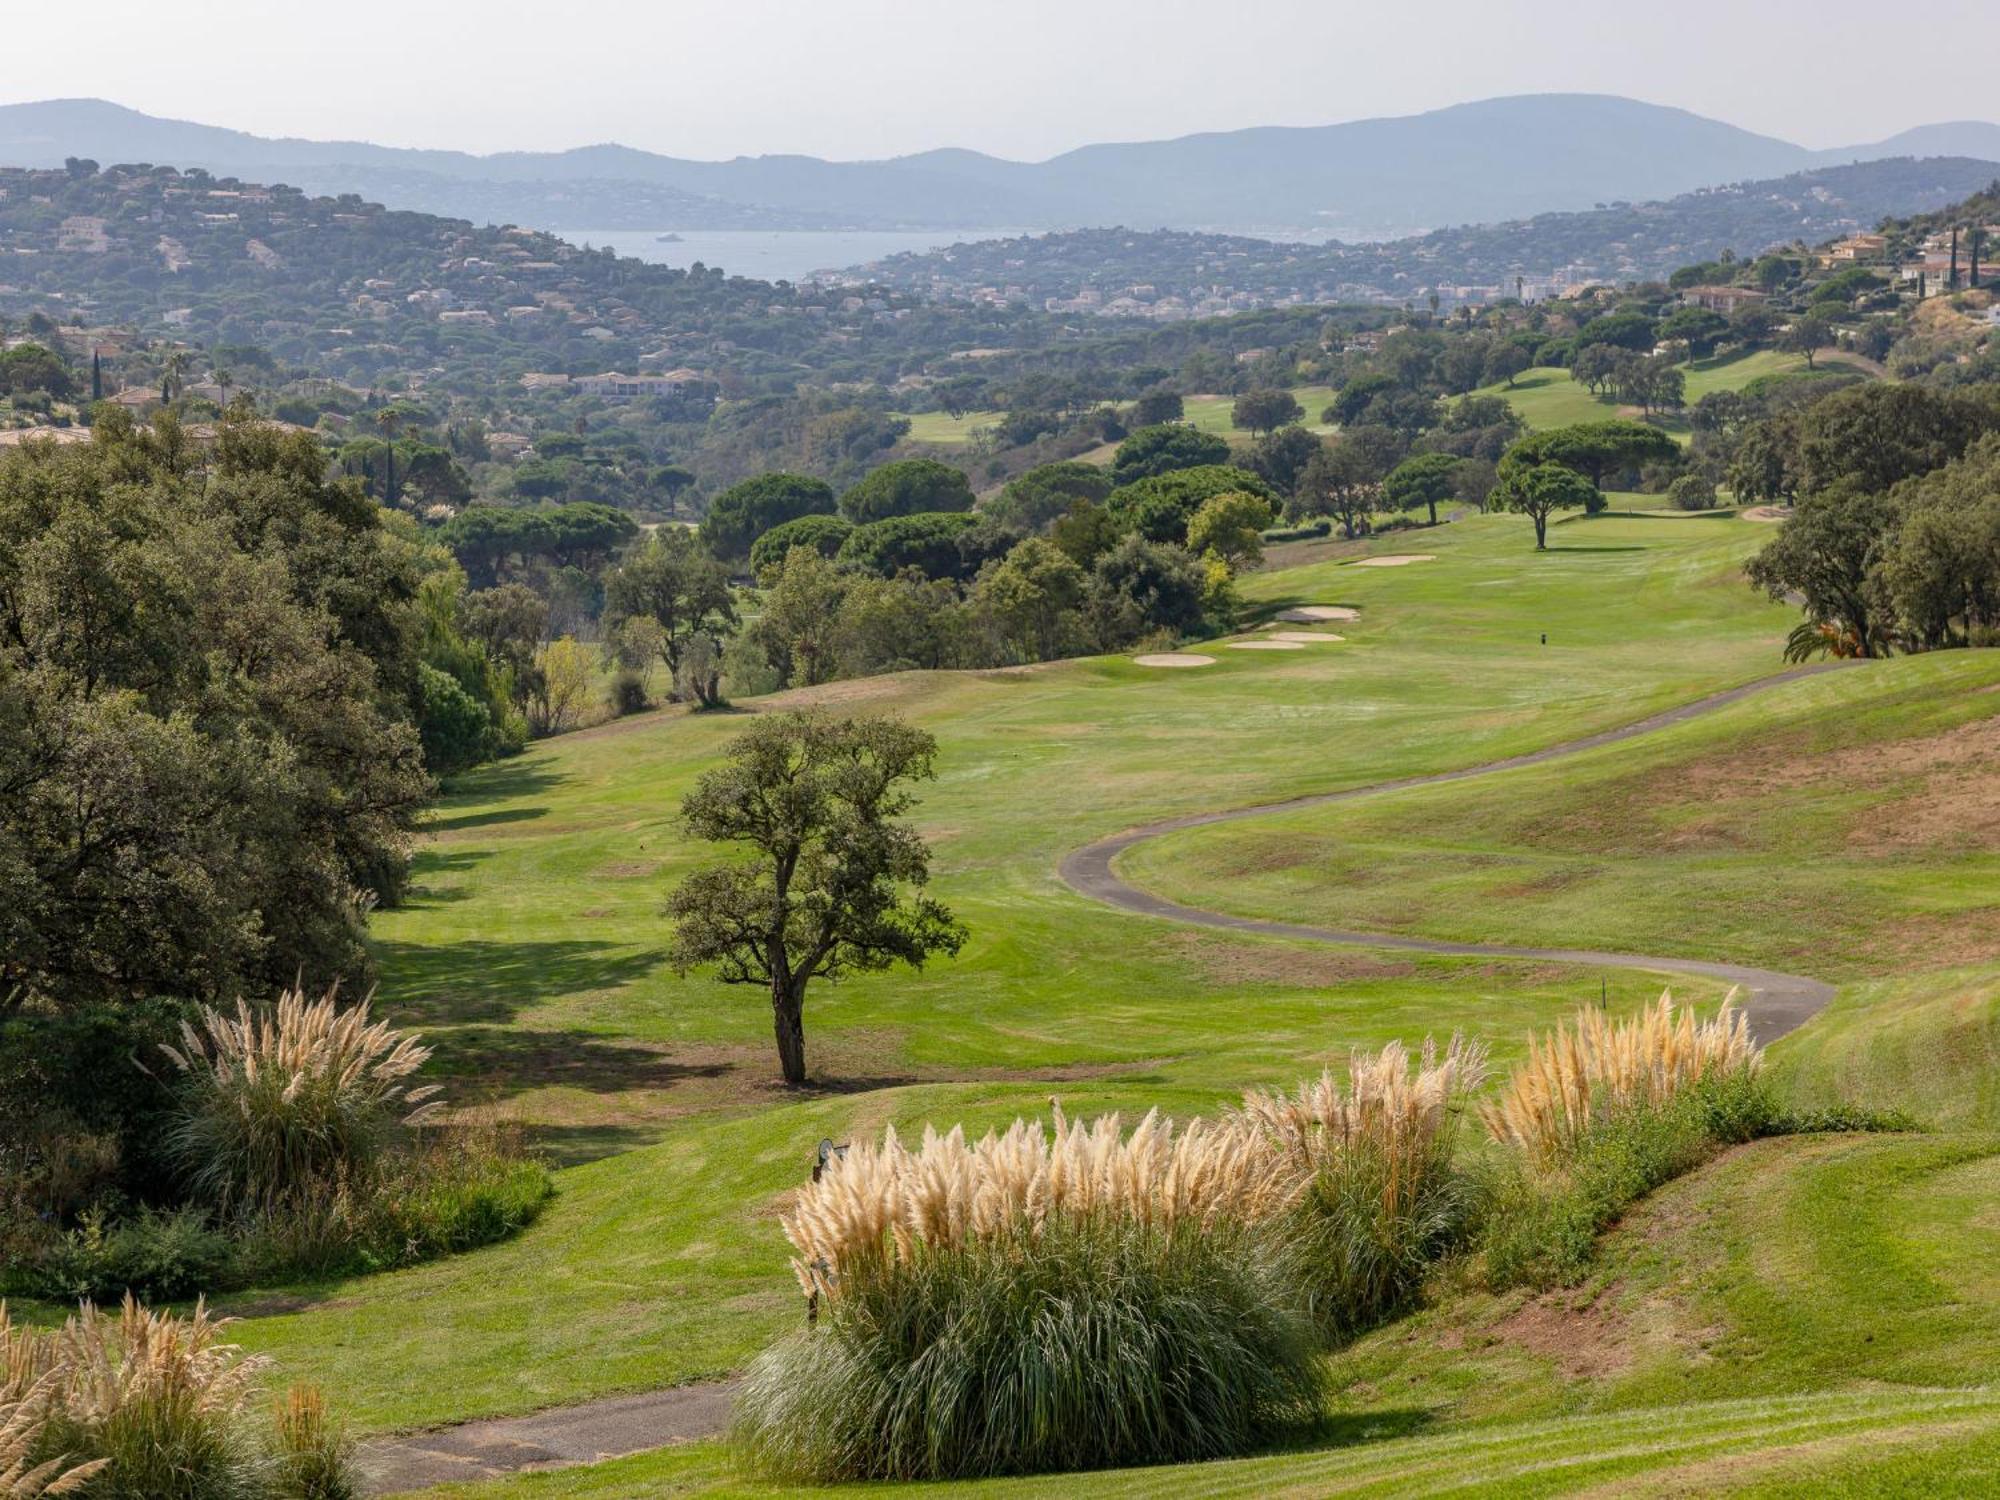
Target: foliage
[(283, 1102), (1034, 501), (1383, 1196), (1541, 491), (1265, 411), (815, 800), (559, 689), (671, 581), (799, 629), (1692, 492), (1033, 597), (1422, 480), (1138, 587), (1026, 1304), (928, 542), (1231, 526), (744, 512), (1159, 450), (907, 487), (1159, 508), (206, 695), (824, 534)]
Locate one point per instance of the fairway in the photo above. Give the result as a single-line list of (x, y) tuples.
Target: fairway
[(1548, 397), (532, 951)]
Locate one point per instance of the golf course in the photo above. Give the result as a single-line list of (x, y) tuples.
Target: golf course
[(1839, 826)]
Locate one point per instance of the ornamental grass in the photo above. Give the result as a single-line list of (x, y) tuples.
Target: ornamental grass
[(1066, 1298), (1382, 1194)]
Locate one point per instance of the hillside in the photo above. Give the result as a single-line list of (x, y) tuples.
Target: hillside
[(1178, 273), (1494, 159)]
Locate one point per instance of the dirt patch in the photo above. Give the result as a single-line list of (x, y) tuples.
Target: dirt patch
[(1222, 962), (626, 869), (1586, 1339), (1173, 659), (1395, 560), (1765, 513)]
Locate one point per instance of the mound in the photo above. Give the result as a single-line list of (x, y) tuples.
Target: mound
[(1765, 513), (1312, 614), (1174, 659)]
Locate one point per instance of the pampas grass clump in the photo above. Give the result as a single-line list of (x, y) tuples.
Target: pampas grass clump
[(1575, 1078), (279, 1101), (1035, 1301), (1383, 1195)]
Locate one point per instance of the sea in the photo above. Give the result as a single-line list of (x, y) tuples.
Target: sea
[(776, 254)]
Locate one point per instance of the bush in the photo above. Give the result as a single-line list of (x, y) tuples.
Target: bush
[(1298, 533), (279, 1104), (168, 1409), (1692, 492), (314, 1458), (155, 1256), (628, 693), (1026, 1305), (1384, 1196)]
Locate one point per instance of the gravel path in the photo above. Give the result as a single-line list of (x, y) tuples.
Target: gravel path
[(1775, 1004)]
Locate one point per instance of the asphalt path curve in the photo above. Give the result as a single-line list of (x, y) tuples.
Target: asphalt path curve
[(1774, 1003)]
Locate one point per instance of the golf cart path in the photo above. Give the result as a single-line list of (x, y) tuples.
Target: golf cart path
[(614, 1426), (1775, 1003)]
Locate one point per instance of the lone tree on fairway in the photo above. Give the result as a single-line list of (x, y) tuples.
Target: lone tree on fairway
[(1541, 491), (815, 800), (1424, 480)]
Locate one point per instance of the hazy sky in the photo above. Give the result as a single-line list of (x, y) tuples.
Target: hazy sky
[(1021, 78)]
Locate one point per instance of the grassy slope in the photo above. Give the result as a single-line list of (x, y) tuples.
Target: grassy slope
[(1208, 413), (532, 954), (1547, 397)]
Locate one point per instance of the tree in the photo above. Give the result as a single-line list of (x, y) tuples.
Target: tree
[(1335, 484), (799, 629), (671, 580), (1037, 499), (744, 512), (824, 534), (672, 480), (1881, 434), (1593, 449), (1266, 410), (1160, 450), (927, 542), (1807, 335), (1697, 327), (1160, 508), (1827, 554), (1279, 458), (389, 422), (814, 801), (1086, 533), (1504, 361), (1031, 596), (1231, 527), (1423, 480), (560, 687), (1159, 405), (1595, 365), (907, 487), (1140, 586), (1539, 492)]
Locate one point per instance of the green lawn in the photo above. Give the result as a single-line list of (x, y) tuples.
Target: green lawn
[(1216, 414), (1547, 397), (942, 427), (532, 955)]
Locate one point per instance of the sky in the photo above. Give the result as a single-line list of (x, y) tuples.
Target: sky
[(1022, 78)]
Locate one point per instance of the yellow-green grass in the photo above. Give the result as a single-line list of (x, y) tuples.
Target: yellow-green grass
[(945, 429), (531, 951), (1943, 1443), (1217, 414), (1843, 825), (1547, 396)]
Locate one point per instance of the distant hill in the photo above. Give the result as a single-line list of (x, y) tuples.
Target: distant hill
[(1176, 274), (1496, 159)]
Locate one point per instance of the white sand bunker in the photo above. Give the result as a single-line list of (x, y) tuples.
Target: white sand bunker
[(1765, 513), (1267, 645), (1305, 637), (1174, 659), (1312, 614), (1395, 559)]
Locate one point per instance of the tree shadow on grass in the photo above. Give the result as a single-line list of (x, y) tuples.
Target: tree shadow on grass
[(1552, 547), (486, 819), (503, 781), (480, 980), (511, 1061)]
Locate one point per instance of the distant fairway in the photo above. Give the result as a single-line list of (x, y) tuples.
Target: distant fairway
[(1547, 397), (1207, 413)]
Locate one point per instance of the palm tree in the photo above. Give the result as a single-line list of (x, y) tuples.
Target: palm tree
[(176, 372), (225, 379)]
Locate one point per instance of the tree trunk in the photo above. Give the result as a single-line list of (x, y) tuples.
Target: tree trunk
[(1541, 533), (788, 1023)]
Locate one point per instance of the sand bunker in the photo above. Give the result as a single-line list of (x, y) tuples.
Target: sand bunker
[(1312, 614), (1269, 645), (1174, 659), (1765, 513), (1394, 559), (1306, 636)]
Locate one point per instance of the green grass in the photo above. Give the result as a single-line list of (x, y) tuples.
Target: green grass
[(1216, 414), (532, 955), (1547, 397), (943, 428)]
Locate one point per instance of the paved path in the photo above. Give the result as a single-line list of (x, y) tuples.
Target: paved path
[(1775, 1003), (552, 1439)]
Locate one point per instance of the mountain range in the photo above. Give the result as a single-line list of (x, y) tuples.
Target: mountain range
[(1493, 159)]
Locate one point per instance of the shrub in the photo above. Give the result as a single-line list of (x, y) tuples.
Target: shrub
[(279, 1102), (167, 1411), (22, 1476), (628, 693), (1692, 492), (1028, 1304), (1605, 1068), (155, 1256), (1383, 1195)]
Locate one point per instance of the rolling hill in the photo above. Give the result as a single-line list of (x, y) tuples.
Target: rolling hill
[(1491, 159)]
